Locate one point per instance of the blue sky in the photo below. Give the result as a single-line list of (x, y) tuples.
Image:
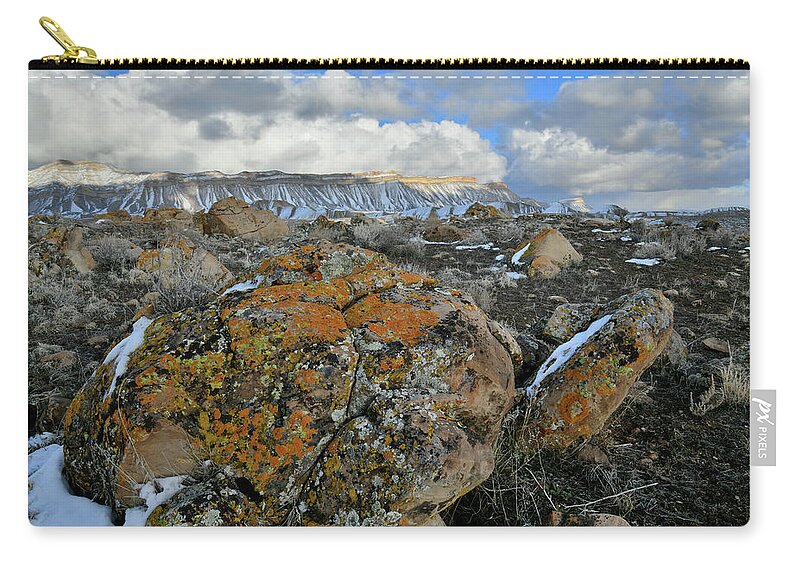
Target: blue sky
[(646, 140)]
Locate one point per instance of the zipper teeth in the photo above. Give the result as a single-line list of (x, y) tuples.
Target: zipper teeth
[(392, 63)]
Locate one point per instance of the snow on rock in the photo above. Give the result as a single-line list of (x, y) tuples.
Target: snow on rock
[(41, 440), (647, 262), (625, 238), (121, 353), (563, 353), (600, 231), (714, 248), (153, 498), (500, 257), (515, 259), (244, 286)]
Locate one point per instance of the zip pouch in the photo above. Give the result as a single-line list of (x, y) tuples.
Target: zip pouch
[(386, 292)]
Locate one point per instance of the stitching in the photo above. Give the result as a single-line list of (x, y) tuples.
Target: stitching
[(391, 77)]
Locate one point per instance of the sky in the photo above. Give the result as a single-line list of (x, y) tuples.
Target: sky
[(644, 140)]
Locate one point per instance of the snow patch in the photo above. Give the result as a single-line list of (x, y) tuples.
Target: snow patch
[(564, 352), (600, 231), (50, 502), (515, 275), (625, 238), (714, 248), (647, 262), (486, 246), (121, 353), (500, 257)]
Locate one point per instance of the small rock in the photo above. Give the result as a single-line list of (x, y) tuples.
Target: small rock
[(717, 345), (697, 302), (63, 359), (558, 299), (557, 518), (132, 303), (592, 454), (98, 340), (721, 283), (151, 297), (671, 293), (592, 273)]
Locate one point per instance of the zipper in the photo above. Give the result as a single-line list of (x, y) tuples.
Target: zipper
[(79, 57)]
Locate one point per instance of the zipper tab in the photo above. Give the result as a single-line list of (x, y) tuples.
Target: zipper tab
[(72, 52)]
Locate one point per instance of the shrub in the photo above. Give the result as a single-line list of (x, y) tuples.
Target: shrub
[(475, 237), (730, 385), (483, 292), (379, 237), (183, 285), (509, 233)]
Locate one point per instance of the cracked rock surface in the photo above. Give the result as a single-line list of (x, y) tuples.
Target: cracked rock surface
[(330, 387)]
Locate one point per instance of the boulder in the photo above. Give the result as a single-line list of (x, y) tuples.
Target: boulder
[(547, 253), (676, 354), (482, 212), (116, 216), (178, 257), (50, 412), (586, 378), (329, 388), (444, 233), (568, 319), (716, 345), (235, 218), (68, 244), (170, 218)]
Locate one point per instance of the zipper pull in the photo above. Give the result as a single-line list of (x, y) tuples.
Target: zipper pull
[(72, 52)]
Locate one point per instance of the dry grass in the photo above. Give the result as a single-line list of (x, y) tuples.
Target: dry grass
[(730, 385)]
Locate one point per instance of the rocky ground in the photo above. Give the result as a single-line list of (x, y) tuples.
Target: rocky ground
[(674, 453)]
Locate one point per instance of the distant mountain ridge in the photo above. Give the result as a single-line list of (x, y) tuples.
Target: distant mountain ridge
[(84, 188)]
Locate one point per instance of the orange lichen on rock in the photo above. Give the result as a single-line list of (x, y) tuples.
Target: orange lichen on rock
[(331, 380), (576, 399), (391, 321)]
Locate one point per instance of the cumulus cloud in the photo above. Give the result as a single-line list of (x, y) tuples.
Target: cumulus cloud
[(309, 127), (611, 140), (554, 160)]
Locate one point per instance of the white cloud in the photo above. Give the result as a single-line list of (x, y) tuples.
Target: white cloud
[(117, 121), (560, 159)]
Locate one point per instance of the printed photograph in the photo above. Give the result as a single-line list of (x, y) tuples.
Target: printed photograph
[(436, 297)]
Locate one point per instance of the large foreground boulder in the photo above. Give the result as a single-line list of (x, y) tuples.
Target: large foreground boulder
[(329, 388), (235, 218), (546, 254), (586, 378)]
